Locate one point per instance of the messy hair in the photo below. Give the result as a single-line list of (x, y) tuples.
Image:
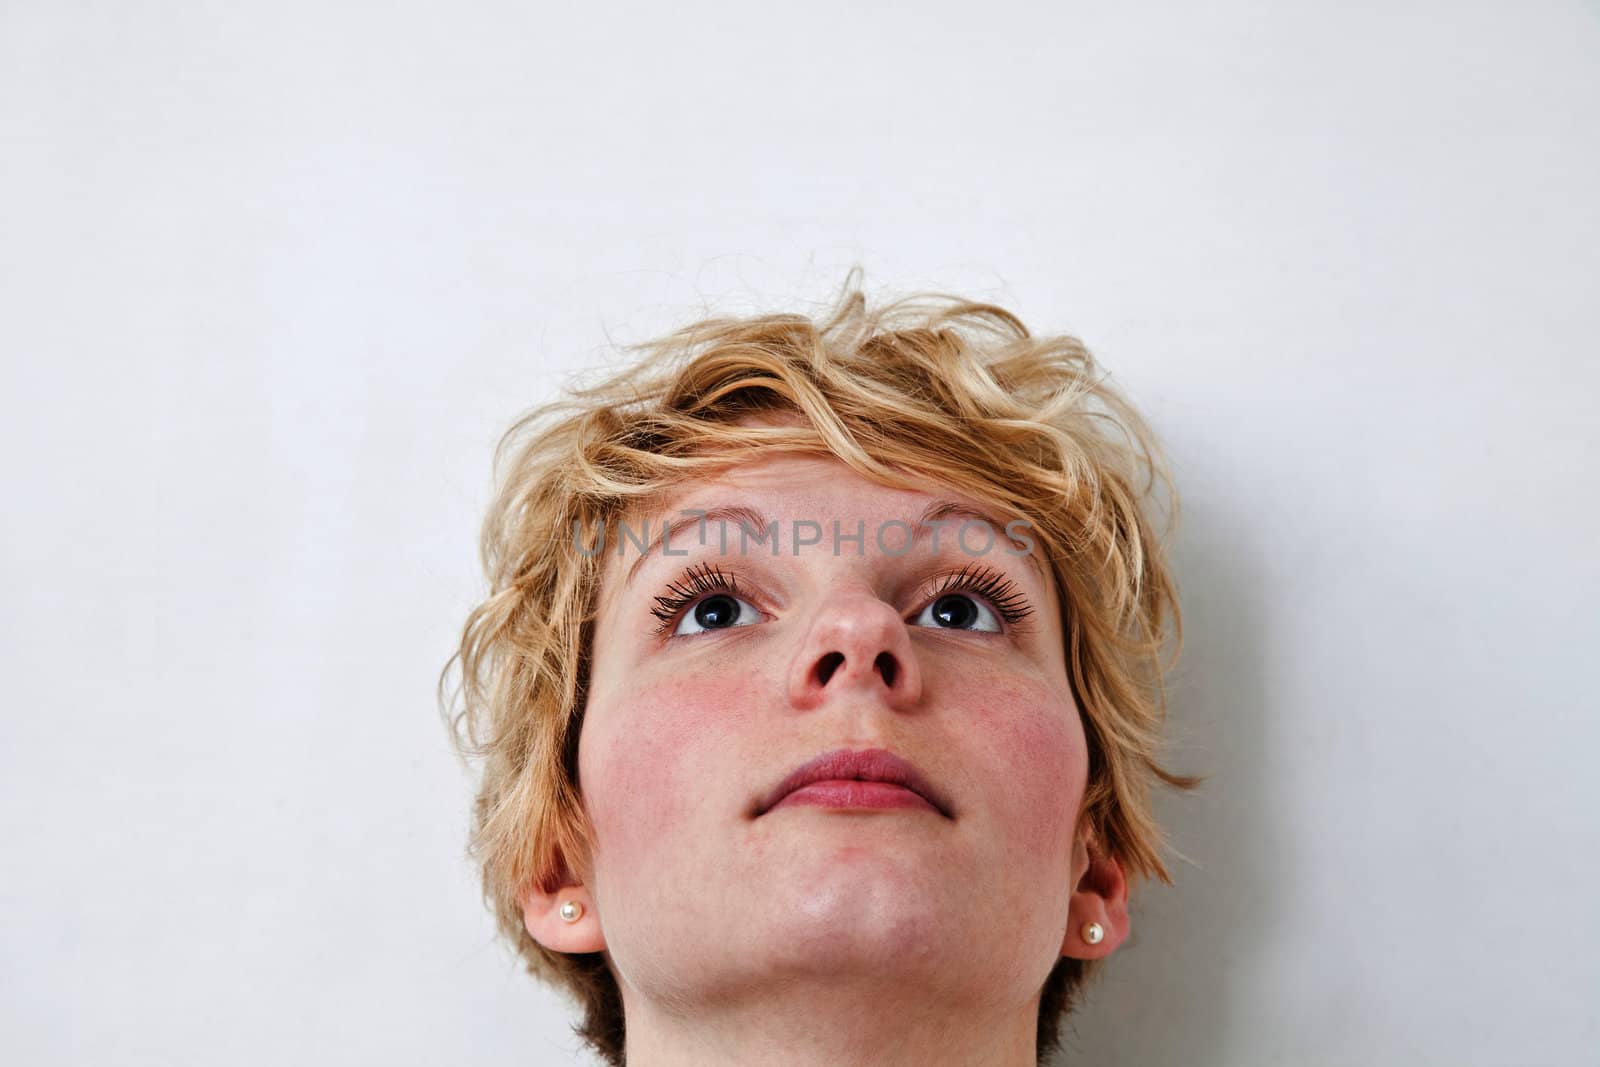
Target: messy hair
[(925, 388)]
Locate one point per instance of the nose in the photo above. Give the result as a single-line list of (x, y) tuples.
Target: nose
[(856, 644)]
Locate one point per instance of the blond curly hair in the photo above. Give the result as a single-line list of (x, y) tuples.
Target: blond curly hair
[(958, 392)]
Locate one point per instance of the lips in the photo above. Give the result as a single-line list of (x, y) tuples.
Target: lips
[(864, 765)]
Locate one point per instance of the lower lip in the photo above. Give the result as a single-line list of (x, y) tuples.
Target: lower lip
[(836, 793)]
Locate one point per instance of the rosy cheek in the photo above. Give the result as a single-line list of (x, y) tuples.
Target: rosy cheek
[(656, 759), (1037, 753)]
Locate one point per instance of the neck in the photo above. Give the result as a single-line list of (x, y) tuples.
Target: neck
[(832, 1026)]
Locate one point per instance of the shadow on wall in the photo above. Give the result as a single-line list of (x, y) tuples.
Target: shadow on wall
[(1171, 993)]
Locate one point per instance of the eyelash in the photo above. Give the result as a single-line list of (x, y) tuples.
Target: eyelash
[(703, 579), (996, 588), (696, 582)]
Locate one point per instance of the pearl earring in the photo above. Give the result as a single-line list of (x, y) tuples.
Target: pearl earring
[(1093, 933), (571, 911)]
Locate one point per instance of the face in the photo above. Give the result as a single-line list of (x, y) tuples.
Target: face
[(701, 703)]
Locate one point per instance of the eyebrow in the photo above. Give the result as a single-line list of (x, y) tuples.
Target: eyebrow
[(744, 516), (943, 509), (752, 519)]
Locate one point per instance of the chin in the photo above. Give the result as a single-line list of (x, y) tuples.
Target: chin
[(863, 906)]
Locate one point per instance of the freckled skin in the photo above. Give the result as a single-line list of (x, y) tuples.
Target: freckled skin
[(704, 907)]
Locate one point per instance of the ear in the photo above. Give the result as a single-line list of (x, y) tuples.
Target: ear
[(1099, 895), (541, 915)]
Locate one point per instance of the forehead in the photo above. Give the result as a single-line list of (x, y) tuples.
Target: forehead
[(824, 483), (799, 477)]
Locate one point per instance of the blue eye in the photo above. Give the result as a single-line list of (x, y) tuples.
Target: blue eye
[(720, 611), (957, 611)]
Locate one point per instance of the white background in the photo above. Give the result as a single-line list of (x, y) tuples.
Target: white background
[(273, 277)]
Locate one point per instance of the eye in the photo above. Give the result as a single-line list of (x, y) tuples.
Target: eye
[(712, 601), (957, 611), (975, 598), (720, 611)]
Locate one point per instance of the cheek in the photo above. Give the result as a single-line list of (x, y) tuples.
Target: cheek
[(1036, 755), (657, 763)]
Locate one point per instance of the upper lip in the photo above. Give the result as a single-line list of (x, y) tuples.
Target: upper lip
[(865, 765)]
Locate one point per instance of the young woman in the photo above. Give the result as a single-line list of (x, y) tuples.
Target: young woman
[(818, 691)]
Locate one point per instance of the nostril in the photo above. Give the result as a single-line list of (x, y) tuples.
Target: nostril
[(827, 665), (888, 667)]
